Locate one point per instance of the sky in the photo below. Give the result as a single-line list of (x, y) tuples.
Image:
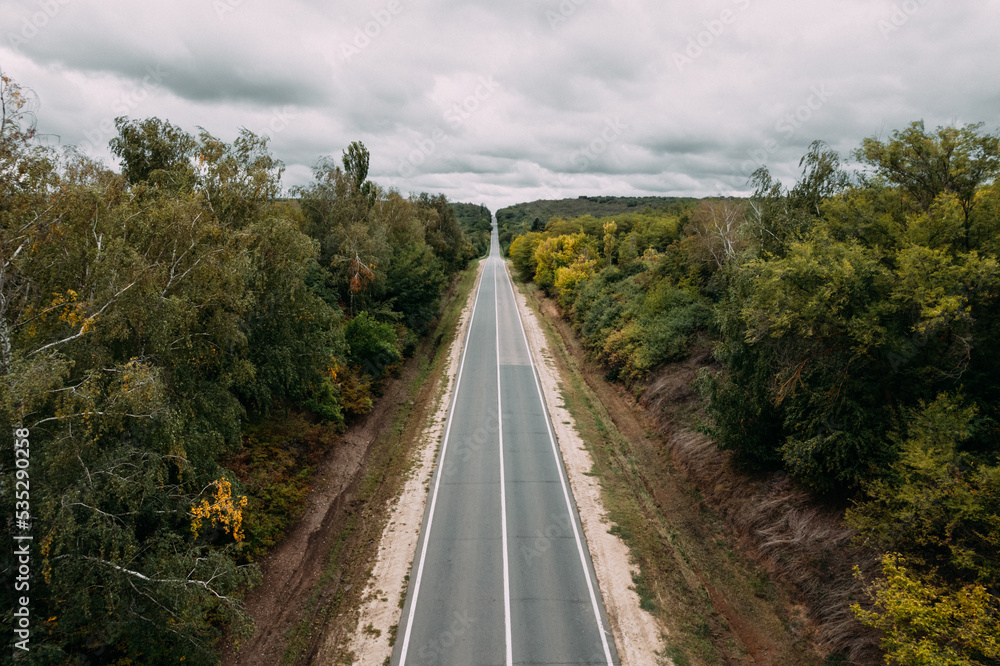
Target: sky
[(505, 101)]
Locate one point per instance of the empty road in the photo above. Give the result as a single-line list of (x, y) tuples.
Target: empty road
[(502, 574)]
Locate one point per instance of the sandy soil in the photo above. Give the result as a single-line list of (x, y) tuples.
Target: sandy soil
[(637, 633), (382, 599)]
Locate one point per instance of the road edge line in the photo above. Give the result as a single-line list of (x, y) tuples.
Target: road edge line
[(437, 481), (563, 478)]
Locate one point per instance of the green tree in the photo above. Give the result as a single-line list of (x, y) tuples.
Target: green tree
[(372, 345), (522, 253), (239, 180), (950, 160), (927, 624), (939, 504), (154, 151), (356, 158), (442, 231)]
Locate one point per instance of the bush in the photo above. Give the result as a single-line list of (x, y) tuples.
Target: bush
[(372, 345)]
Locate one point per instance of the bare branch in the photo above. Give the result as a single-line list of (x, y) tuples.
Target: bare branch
[(205, 584)]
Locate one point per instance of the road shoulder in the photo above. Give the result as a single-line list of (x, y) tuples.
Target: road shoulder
[(373, 638), (637, 633)]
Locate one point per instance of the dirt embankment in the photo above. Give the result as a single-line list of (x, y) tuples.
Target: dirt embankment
[(802, 544), (320, 568), (799, 540), (293, 570)]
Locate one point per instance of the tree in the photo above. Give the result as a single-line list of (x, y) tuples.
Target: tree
[(239, 179), (355, 159), (123, 312), (145, 319), (821, 179), (938, 505), (372, 345), (778, 216), (555, 253), (716, 230), (353, 236), (522, 253), (950, 160), (924, 623), (17, 121), (442, 231), (154, 151), (16, 131)]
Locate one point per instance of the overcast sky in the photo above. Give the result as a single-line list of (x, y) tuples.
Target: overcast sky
[(504, 101)]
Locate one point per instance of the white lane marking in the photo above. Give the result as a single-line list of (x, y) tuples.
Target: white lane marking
[(503, 483), (562, 478), (437, 481)]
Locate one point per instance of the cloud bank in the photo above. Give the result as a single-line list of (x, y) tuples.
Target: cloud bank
[(498, 103)]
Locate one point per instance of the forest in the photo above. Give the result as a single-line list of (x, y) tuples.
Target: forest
[(180, 342), (520, 218), (855, 328)]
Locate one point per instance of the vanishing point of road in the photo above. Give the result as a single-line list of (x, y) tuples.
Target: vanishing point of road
[(502, 574)]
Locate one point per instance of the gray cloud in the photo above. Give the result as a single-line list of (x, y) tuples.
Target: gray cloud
[(504, 102)]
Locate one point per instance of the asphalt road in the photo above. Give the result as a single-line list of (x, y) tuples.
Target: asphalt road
[(502, 574)]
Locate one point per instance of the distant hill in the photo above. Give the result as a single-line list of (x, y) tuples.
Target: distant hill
[(515, 220), (476, 221)]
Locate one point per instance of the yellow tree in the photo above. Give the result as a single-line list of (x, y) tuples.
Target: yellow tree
[(569, 278), (924, 624), (225, 513), (558, 252)]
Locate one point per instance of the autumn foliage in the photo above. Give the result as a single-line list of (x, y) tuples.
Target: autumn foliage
[(152, 322), (855, 324)]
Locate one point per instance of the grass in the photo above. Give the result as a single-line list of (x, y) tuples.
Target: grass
[(334, 603), (717, 605)]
